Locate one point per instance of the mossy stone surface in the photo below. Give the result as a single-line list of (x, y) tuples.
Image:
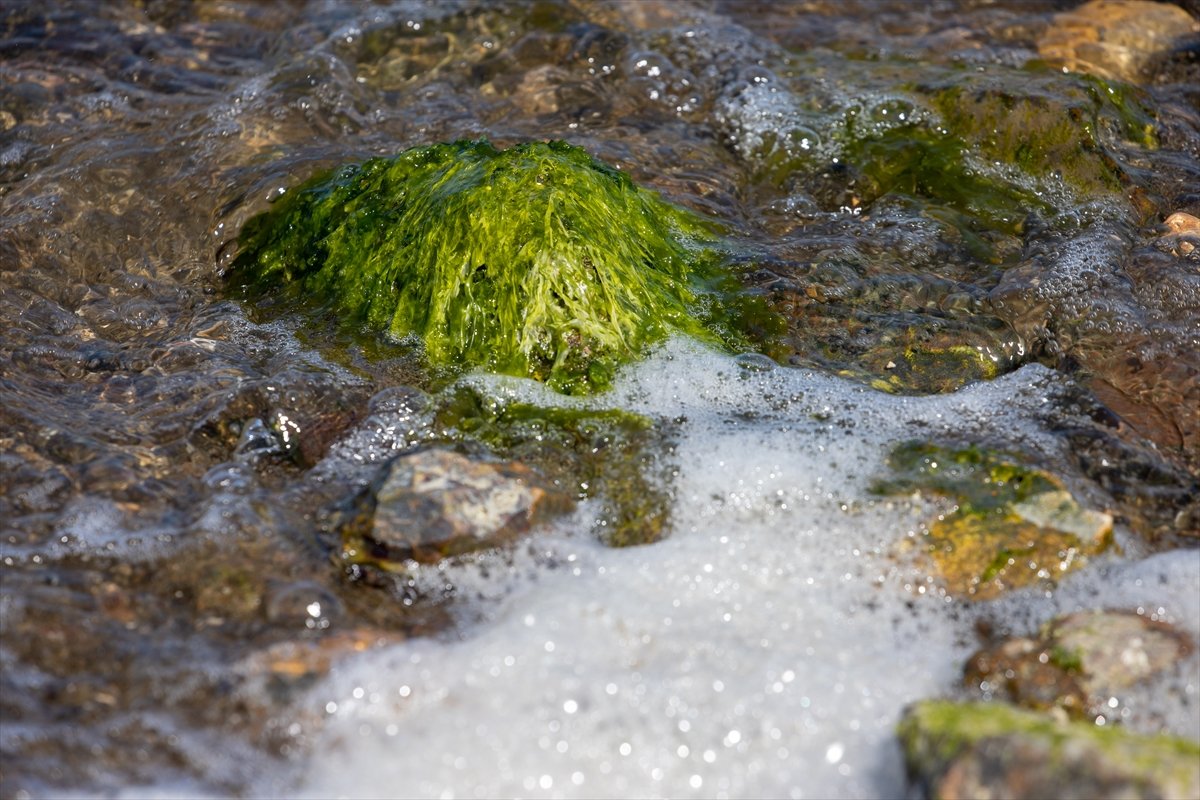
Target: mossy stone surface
[(1013, 525), (995, 750), (536, 261)]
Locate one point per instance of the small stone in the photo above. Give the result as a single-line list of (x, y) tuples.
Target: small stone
[(1183, 234), (1115, 650), (1024, 672), (1179, 222), (434, 504), (1059, 510)]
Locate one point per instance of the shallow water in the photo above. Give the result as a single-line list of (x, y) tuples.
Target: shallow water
[(160, 550)]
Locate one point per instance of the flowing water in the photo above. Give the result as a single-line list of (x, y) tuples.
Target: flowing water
[(175, 617)]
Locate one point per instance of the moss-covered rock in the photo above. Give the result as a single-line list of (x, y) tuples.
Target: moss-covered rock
[(535, 261), (924, 368), (1013, 525), (974, 149), (994, 750), (1055, 128), (986, 155)]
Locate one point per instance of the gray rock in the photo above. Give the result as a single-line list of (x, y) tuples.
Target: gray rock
[(433, 504)]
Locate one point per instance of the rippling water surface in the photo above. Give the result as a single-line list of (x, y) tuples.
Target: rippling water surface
[(175, 618)]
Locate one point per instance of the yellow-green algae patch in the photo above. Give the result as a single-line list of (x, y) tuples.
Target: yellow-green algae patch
[(537, 261), (939, 737), (930, 369), (1012, 525)]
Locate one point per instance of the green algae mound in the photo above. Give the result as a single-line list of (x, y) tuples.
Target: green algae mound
[(535, 261)]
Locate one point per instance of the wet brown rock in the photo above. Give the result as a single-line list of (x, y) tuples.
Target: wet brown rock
[(989, 750), (1114, 38), (537, 93), (434, 504), (305, 660), (1179, 222), (1078, 662), (1183, 234), (1023, 670)]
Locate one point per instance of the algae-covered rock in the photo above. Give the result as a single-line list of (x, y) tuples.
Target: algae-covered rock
[(535, 261), (958, 750), (1056, 132), (1013, 525), (1077, 662), (974, 150), (929, 368)]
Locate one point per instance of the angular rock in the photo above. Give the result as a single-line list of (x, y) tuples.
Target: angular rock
[(985, 750), (434, 504), (607, 454)]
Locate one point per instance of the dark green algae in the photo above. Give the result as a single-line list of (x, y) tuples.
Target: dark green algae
[(537, 260)]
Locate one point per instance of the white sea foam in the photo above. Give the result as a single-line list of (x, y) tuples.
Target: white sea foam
[(766, 648)]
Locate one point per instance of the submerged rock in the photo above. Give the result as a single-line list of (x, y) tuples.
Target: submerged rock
[(535, 261), (294, 415), (1013, 525), (1078, 662), (1115, 38), (955, 750), (434, 504), (933, 369), (1183, 234)]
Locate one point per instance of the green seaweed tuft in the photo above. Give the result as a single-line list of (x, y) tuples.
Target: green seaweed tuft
[(535, 261)]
